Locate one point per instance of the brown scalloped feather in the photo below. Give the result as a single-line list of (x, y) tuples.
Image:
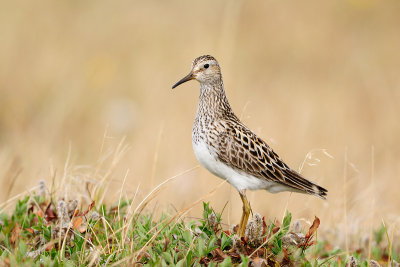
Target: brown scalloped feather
[(241, 148)]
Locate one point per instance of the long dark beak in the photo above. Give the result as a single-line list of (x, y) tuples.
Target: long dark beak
[(188, 77)]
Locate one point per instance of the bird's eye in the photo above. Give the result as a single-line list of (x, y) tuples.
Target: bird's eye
[(206, 66)]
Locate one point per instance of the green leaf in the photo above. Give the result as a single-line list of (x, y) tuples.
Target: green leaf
[(245, 261), (180, 263), (378, 235), (206, 210), (277, 246), (22, 249), (226, 263), (211, 244), (189, 258), (167, 257), (187, 236), (225, 241), (286, 223), (201, 252), (376, 252), (335, 252)]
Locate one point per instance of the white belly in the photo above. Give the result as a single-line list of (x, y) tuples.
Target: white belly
[(240, 180)]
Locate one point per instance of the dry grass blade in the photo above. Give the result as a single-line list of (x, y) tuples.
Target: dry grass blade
[(178, 215), (157, 188), (117, 155), (11, 176), (16, 197)]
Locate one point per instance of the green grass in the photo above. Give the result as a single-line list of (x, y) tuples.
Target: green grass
[(35, 235)]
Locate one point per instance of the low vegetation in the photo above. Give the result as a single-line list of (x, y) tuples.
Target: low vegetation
[(44, 232)]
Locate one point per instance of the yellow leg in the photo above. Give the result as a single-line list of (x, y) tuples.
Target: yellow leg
[(245, 214)]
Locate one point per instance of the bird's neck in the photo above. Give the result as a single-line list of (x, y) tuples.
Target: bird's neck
[(213, 101)]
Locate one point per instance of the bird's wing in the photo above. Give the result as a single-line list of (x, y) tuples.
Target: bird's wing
[(241, 148)]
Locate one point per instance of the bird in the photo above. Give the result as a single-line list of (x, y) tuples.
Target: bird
[(230, 150)]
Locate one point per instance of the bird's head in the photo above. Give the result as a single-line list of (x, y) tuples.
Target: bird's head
[(205, 69)]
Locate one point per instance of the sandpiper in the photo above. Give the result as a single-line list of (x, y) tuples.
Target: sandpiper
[(230, 150)]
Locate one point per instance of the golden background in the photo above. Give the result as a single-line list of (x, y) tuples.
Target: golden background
[(312, 78)]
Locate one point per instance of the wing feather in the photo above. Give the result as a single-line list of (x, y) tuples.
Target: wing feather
[(241, 148)]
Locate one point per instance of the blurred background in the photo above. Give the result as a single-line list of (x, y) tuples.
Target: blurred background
[(319, 81)]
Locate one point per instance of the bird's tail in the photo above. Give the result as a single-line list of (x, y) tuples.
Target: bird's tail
[(301, 184)]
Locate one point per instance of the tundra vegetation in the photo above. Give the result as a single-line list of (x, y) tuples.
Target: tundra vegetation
[(43, 231)]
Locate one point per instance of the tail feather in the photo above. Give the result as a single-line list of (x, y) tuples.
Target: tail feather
[(298, 182)]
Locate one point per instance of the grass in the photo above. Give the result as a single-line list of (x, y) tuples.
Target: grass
[(44, 232)]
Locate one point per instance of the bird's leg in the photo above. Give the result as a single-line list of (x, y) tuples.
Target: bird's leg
[(245, 214)]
